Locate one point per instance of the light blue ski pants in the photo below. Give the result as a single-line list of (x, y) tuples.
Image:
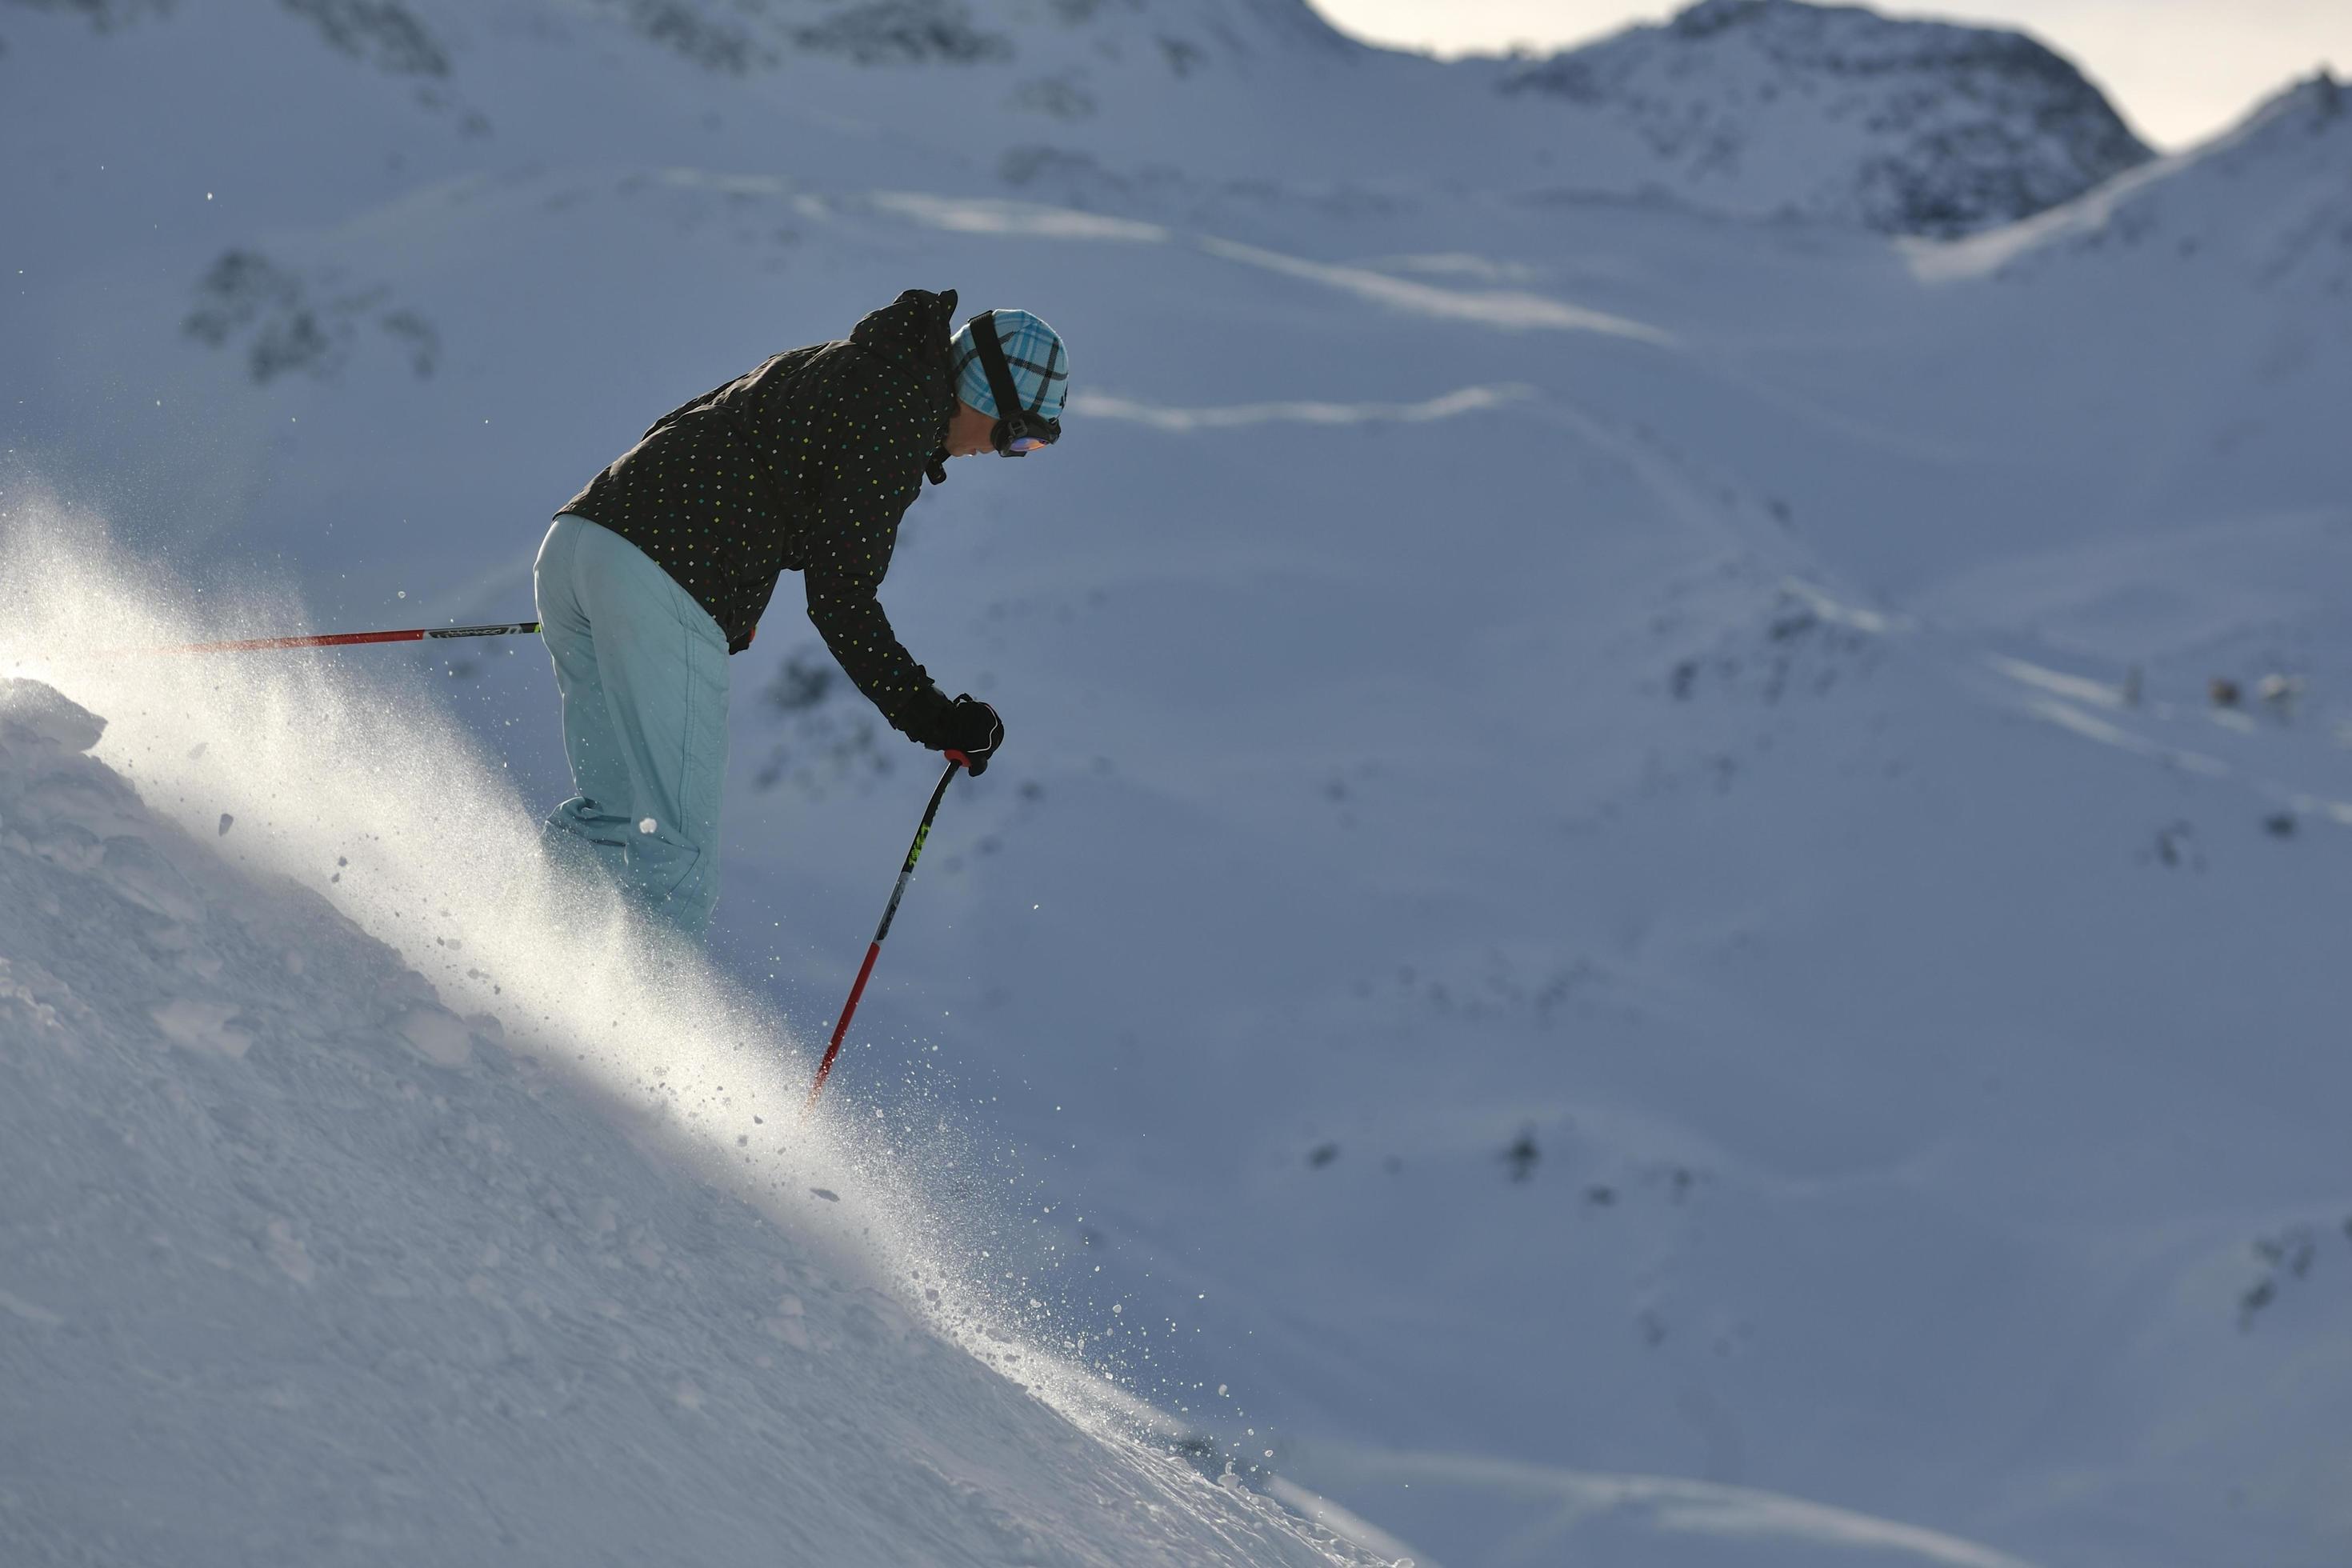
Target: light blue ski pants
[(643, 673)]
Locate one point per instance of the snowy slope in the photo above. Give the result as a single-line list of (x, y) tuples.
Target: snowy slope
[(303, 1266), (1577, 918)]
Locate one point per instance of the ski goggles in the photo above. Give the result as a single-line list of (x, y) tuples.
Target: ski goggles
[(1022, 431)]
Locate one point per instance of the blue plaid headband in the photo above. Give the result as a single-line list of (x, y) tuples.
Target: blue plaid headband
[(1032, 353)]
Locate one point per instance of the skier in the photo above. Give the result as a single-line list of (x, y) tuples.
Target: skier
[(661, 567)]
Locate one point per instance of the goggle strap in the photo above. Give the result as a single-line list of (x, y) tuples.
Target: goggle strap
[(992, 363), (1013, 427)]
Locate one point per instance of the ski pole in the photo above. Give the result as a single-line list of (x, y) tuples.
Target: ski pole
[(906, 871), (348, 640)]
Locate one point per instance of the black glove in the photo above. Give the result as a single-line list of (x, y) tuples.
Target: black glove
[(971, 733)]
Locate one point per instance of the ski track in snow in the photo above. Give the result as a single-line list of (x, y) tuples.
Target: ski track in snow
[(1571, 1514), (1237, 417), (1504, 310)]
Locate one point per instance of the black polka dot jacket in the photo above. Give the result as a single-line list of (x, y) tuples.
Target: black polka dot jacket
[(804, 465)]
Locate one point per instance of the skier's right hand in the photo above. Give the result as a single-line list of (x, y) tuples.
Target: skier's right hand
[(972, 734)]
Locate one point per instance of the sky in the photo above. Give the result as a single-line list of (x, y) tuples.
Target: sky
[(2178, 69)]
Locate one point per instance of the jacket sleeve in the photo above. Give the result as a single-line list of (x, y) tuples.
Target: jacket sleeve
[(850, 554)]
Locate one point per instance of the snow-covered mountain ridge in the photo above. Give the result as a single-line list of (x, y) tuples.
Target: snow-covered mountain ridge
[(1762, 107), (1177, 35), (1906, 127), (2271, 201)]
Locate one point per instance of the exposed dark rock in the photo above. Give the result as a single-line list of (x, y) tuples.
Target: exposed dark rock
[(686, 28), (383, 33), (289, 324), (103, 14), (1522, 1156), (904, 32)]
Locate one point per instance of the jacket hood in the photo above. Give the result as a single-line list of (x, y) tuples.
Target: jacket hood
[(911, 334)]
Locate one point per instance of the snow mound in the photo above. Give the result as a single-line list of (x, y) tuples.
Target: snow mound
[(1834, 112), (307, 1257)]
